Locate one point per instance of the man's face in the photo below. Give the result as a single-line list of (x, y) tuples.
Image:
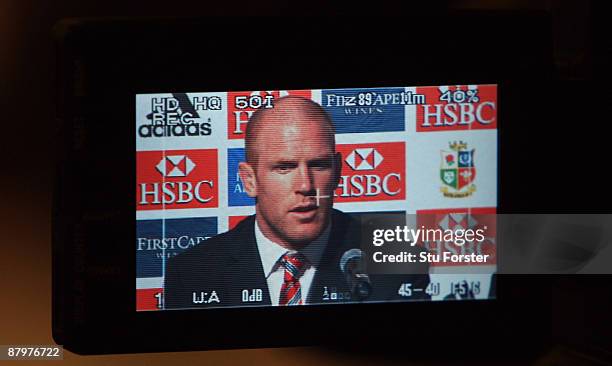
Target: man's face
[(296, 163)]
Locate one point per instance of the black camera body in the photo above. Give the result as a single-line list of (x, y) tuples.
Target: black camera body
[(104, 64)]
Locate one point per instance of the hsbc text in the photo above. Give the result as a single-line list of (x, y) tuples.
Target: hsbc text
[(369, 185), (173, 192), (458, 114)]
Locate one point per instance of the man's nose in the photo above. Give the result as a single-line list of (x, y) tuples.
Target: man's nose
[(304, 183)]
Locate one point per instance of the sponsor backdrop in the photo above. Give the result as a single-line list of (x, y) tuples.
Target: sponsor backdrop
[(413, 150)]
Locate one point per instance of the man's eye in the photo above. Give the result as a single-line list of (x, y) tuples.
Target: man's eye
[(321, 165), (283, 168)]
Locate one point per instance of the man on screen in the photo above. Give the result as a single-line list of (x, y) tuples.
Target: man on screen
[(290, 251)]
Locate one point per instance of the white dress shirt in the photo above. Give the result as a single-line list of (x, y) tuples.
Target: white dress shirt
[(271, 253)]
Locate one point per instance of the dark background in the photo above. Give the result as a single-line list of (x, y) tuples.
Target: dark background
[(27, 87)]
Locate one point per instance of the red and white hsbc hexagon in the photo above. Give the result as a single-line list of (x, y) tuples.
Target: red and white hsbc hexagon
[(372, 172), (242, 105), (481, 218), (174, 179), (456, 108)]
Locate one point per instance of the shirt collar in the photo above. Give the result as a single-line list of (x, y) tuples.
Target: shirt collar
[(270, 252)]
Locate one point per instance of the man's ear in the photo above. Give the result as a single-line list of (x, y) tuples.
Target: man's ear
[(247, 175), (337, 169)]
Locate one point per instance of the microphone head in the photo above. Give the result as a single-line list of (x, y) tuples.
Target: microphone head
[(348, 256)]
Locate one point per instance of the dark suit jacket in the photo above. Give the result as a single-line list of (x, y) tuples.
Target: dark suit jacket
[(230, 263)]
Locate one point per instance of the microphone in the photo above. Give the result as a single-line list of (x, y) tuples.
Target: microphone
[(351, 265)]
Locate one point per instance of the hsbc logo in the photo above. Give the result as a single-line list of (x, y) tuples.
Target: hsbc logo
[(460, 107), (364, 159), (175, 166), (460, 219), (372, 172), (177, 179)]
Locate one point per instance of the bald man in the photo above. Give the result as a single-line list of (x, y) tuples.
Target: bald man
[(289, 252), (292, 170)]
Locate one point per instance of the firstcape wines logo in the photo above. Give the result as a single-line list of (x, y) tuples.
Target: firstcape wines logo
[(157, 240)]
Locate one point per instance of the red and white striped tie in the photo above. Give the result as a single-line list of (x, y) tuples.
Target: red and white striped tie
[(291, 292)]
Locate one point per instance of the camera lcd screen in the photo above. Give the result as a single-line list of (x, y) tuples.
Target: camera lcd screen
[(316, 197)]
